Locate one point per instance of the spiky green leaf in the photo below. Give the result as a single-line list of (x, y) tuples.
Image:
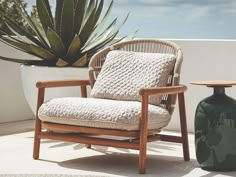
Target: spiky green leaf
[(98, 10), (56, 43), (16, 60), (61, 63), (87, 28), (40, 29), (4, 35), (67, 22), (58, 13), (44, 15), (74, 47), (21, 30), (16, 44), (101, 23), (102, 44), (94, 38), (77, 24), (79, 15), (17, 34), (46, 2), (81, 61), (45, 54), (105, 37), (126, 18), (132, 36), (91, 5), (27, 18)]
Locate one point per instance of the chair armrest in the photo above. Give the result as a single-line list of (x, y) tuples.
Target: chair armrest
[(62, 83), (163, 90)]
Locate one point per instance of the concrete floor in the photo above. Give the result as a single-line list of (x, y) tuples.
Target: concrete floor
[(163, 159)]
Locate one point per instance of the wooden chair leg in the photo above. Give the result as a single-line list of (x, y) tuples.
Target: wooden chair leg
[(183, 124), (88, 146), (38, 125), (143, 135), (36, 138), (142, 157)]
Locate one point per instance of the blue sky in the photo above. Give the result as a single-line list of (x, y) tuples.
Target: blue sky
[(188, 19)]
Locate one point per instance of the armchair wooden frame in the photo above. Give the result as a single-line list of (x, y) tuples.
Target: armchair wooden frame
[(135, 139)]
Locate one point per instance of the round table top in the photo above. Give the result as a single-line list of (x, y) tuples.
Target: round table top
[(214, 83)]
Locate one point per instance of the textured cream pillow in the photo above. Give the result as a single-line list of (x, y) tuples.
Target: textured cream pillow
[(125, 73)]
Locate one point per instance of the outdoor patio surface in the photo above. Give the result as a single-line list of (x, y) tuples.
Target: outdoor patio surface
[(163, 159)]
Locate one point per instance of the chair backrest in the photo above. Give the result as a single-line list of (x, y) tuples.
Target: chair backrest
[(147, 46)]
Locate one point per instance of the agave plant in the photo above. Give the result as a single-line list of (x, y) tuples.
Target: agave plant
[(69, 38)]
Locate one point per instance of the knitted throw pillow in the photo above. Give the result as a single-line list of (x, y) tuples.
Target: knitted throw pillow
[(124, 73)]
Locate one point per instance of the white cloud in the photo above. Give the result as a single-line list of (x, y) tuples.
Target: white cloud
[(153, 1), (122, 1), (147, 12), (197, 13), (229, 8)]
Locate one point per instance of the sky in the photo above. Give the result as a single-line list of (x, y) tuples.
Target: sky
[(175, 19)]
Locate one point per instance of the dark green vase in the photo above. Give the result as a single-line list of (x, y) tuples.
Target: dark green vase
[(215, 132)]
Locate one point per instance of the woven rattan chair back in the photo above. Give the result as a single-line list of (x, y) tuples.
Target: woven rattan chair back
[(146, 46)]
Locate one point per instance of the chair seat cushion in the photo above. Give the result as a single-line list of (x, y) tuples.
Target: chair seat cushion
[(101, 113)]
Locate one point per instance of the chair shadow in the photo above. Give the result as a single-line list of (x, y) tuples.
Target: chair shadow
[(59, 143), (123, 163), (127, 165)]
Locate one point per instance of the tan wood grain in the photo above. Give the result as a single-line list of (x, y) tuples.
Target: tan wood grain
[(89, 140), (38, 126), (134, 139), (214, 83), (61, 83)]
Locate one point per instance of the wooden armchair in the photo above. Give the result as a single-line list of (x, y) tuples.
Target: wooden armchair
[(138, 107)]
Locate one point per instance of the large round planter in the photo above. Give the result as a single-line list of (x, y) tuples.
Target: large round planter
[(215, 132), (30, 75)]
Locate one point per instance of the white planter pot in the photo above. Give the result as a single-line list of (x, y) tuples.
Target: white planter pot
[(30, 75)]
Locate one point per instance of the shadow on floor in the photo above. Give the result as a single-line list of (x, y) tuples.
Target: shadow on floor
[(124, 163), (127, 165)]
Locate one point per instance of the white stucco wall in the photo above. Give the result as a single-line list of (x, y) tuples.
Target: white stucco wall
[(13, 105), (203, 60)]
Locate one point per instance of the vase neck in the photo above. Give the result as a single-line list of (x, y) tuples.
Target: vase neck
[(219, 91)]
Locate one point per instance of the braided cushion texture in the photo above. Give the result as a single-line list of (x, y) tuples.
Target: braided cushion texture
[(101, 113), (124, 73)]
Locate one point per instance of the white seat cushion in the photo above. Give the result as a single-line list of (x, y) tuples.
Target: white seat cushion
[(101, 113), (124, 73)]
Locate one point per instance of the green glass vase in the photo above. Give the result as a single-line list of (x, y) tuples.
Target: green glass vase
[(215, 132)]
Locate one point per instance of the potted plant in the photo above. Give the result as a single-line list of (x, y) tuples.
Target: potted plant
[(61, 42)]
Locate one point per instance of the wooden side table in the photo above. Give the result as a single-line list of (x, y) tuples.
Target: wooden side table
[(215, 128)]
